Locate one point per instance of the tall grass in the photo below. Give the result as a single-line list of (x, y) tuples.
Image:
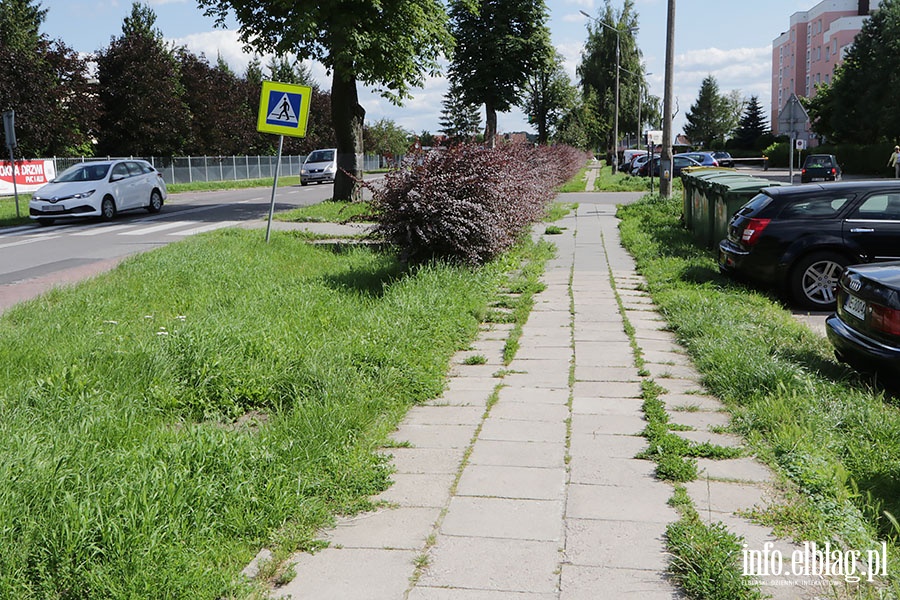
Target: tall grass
[(162, 423), (836, 437)]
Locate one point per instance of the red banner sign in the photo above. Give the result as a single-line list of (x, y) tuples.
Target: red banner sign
[(29, 174)]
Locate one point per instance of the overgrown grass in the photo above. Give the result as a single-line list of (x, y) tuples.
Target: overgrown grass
[(161, 423), (209, 186), (8, 216), (836, 438), (576, 183), (706, 557), (620, 182), (328, 211), (558, 210), (525, 285)]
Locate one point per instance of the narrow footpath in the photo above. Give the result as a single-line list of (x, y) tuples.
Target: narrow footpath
[(521, 482)]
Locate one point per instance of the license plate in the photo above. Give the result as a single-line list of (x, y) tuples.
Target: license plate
[(54, 208), (856, 307)]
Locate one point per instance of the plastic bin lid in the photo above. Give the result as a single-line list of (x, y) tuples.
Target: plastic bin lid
[(750, 184)]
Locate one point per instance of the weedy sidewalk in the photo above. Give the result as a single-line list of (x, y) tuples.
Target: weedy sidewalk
[(521, 482)]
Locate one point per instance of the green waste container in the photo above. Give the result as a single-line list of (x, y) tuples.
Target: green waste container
[(704, 205), (727, 197), (692, 179)]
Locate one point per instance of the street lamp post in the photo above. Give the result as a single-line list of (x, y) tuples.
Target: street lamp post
[(615, 153)]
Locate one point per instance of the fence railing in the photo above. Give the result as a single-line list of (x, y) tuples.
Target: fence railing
[(191, 169)]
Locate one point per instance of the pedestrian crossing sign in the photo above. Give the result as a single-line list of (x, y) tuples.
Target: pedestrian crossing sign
[(283, 108)]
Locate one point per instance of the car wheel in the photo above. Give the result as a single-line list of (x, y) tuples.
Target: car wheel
[(108, 209), (814, 279), (156, 202)]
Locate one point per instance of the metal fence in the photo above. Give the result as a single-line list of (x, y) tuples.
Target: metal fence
[(190, 169)]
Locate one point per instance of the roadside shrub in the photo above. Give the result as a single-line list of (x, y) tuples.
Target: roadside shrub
[(467, 203)]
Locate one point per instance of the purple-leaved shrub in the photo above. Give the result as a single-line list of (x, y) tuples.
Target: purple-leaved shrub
[(469, 203)]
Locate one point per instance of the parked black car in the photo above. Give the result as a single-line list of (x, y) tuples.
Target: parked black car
[(723, 158), (798, 239), (865, 331), (822, 167)]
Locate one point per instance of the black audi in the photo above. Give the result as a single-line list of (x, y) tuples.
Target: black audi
[(865, 331), (798, 239)]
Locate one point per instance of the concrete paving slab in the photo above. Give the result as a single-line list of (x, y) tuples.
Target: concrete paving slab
[(609, 424), (493, 564), (435, 436), (679, 385), (661, 345), (614, 446), (519, 454), (528, 483), (535, 378), (726, 440), (643, 503), (472, 384), (714, 497), (522, 431), (462, 397), (514, 393), (665, 372), (444, 415), (393, 528), (688, 402), (425, 460), (700, 420), (745, 470), (418, 489), (432, 593), (665, 357), (485, 371), (606, 389), (504, 518), (594, 373), (529, 411), (616, 544), (607, 406), (604, 470), (361, 574), (582, 583)]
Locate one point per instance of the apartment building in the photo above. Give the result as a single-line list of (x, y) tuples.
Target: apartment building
[(808, 52)]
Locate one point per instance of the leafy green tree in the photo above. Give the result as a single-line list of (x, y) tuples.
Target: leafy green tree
[(549, 94), (460, 120), (389, 44), (427, 139), (734, 108), (597, 71), (140, 92), (498, 44), (579, 126), (752, 127), (20, 24), (862, 105), (385, 138), (46, 83), (708, 120)]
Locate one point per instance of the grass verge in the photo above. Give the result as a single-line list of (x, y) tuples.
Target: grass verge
[(328, 211), (826, 429), (164, 421)]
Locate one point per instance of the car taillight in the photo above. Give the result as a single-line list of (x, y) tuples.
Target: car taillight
[(803, 171), (833, 171), (715, 163), (753, 230), (885, 319)]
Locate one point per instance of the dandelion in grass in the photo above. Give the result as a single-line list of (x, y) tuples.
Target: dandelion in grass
[(149, 317), (110, 322)]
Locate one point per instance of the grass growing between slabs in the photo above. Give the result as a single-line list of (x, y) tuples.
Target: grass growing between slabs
[(163, 422), (835, 438)]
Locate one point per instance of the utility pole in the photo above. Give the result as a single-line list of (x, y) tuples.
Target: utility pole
[(665, 159)]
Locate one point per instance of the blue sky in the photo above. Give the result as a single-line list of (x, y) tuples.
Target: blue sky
[(729, 39)]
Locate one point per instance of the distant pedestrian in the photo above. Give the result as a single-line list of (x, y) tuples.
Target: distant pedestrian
[(895, 162)]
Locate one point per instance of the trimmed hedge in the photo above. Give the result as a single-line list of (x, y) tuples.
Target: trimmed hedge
[(468, 203)]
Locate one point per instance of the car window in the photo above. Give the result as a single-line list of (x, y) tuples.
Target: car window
[(880, 207), (120, 170), (817, 207), (321, 156), (86, 172), (134, 168), (756, 204), (818, 162)]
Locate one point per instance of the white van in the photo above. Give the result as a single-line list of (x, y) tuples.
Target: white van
[(320, 166)]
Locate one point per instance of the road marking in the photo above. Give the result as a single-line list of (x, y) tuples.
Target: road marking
[(104, 229), (157, 228), (29, 241), (205, 228)]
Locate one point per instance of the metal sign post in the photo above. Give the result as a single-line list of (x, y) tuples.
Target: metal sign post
[(789, 120), (283, 110), (9, 127)]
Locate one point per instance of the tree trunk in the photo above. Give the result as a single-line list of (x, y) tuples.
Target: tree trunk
[(490, 125), (348, 117)]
